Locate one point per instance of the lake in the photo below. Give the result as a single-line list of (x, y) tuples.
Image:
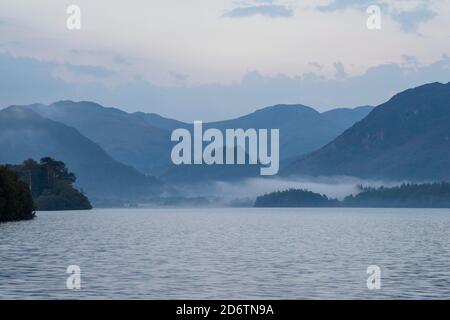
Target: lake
[(228, 254)]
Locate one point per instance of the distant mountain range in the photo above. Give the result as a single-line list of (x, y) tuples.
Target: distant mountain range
[(116, 154), (25, 134), (157, 121), (407, 137), (142, 140), (302, 130), (126, 137)]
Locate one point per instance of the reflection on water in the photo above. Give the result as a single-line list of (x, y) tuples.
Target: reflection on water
[(228, 253)]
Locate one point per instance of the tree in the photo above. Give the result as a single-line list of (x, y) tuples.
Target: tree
[(16, 202), (51, 185), (295, 198), (57, 170)]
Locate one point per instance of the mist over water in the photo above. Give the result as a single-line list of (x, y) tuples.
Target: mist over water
[(337, 187)]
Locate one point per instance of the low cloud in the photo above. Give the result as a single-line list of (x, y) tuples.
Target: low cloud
[(246, 191), (333, 187), (267, 10)]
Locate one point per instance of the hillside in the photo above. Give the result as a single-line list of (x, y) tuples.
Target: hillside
[(142, 140), (302, 130), (158, 121), (407, 137), (24, 134), (125, 137)]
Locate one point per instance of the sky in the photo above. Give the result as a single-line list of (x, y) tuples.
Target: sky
[(212, 60)]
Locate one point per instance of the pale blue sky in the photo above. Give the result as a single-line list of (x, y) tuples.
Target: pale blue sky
[(210, 60)]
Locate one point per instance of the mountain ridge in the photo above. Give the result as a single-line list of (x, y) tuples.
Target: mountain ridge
[(142, 140), (25, 134), (407, 137)]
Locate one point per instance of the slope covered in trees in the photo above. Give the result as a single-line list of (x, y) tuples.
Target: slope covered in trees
[(406, 138)]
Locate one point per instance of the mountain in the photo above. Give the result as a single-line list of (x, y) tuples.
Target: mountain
[(126, 137), (302, 129), (193, 174), (25, 134), (346, 117), (158, 121), (407, 137), (142, 140)]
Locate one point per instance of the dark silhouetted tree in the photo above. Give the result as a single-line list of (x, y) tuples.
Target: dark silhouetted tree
[(16, 202)]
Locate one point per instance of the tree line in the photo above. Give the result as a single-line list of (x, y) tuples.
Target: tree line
[(408, 195), (48, 183)]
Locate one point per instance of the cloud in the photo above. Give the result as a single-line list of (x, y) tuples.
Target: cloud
[(267, 10), (216, 50), (100, 54), (344, 4), (179, 76), (9, 44), (340, 70), (410, 61), (316, 65), (26, 81), (4, 24), (334, 187), (409, 15), (85, 70), (120, 60), (3, 21), (410, 20)]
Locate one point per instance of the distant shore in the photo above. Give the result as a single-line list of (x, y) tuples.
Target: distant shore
[(428, 195)]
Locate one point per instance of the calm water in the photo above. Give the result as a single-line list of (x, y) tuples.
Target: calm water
[(228, 253)]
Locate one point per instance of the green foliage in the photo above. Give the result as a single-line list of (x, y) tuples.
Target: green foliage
[(429, 195), (51, 185), (62, 197), (295, 198), (16, 202)]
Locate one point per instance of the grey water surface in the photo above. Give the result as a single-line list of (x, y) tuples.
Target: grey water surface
[(228, 254)]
